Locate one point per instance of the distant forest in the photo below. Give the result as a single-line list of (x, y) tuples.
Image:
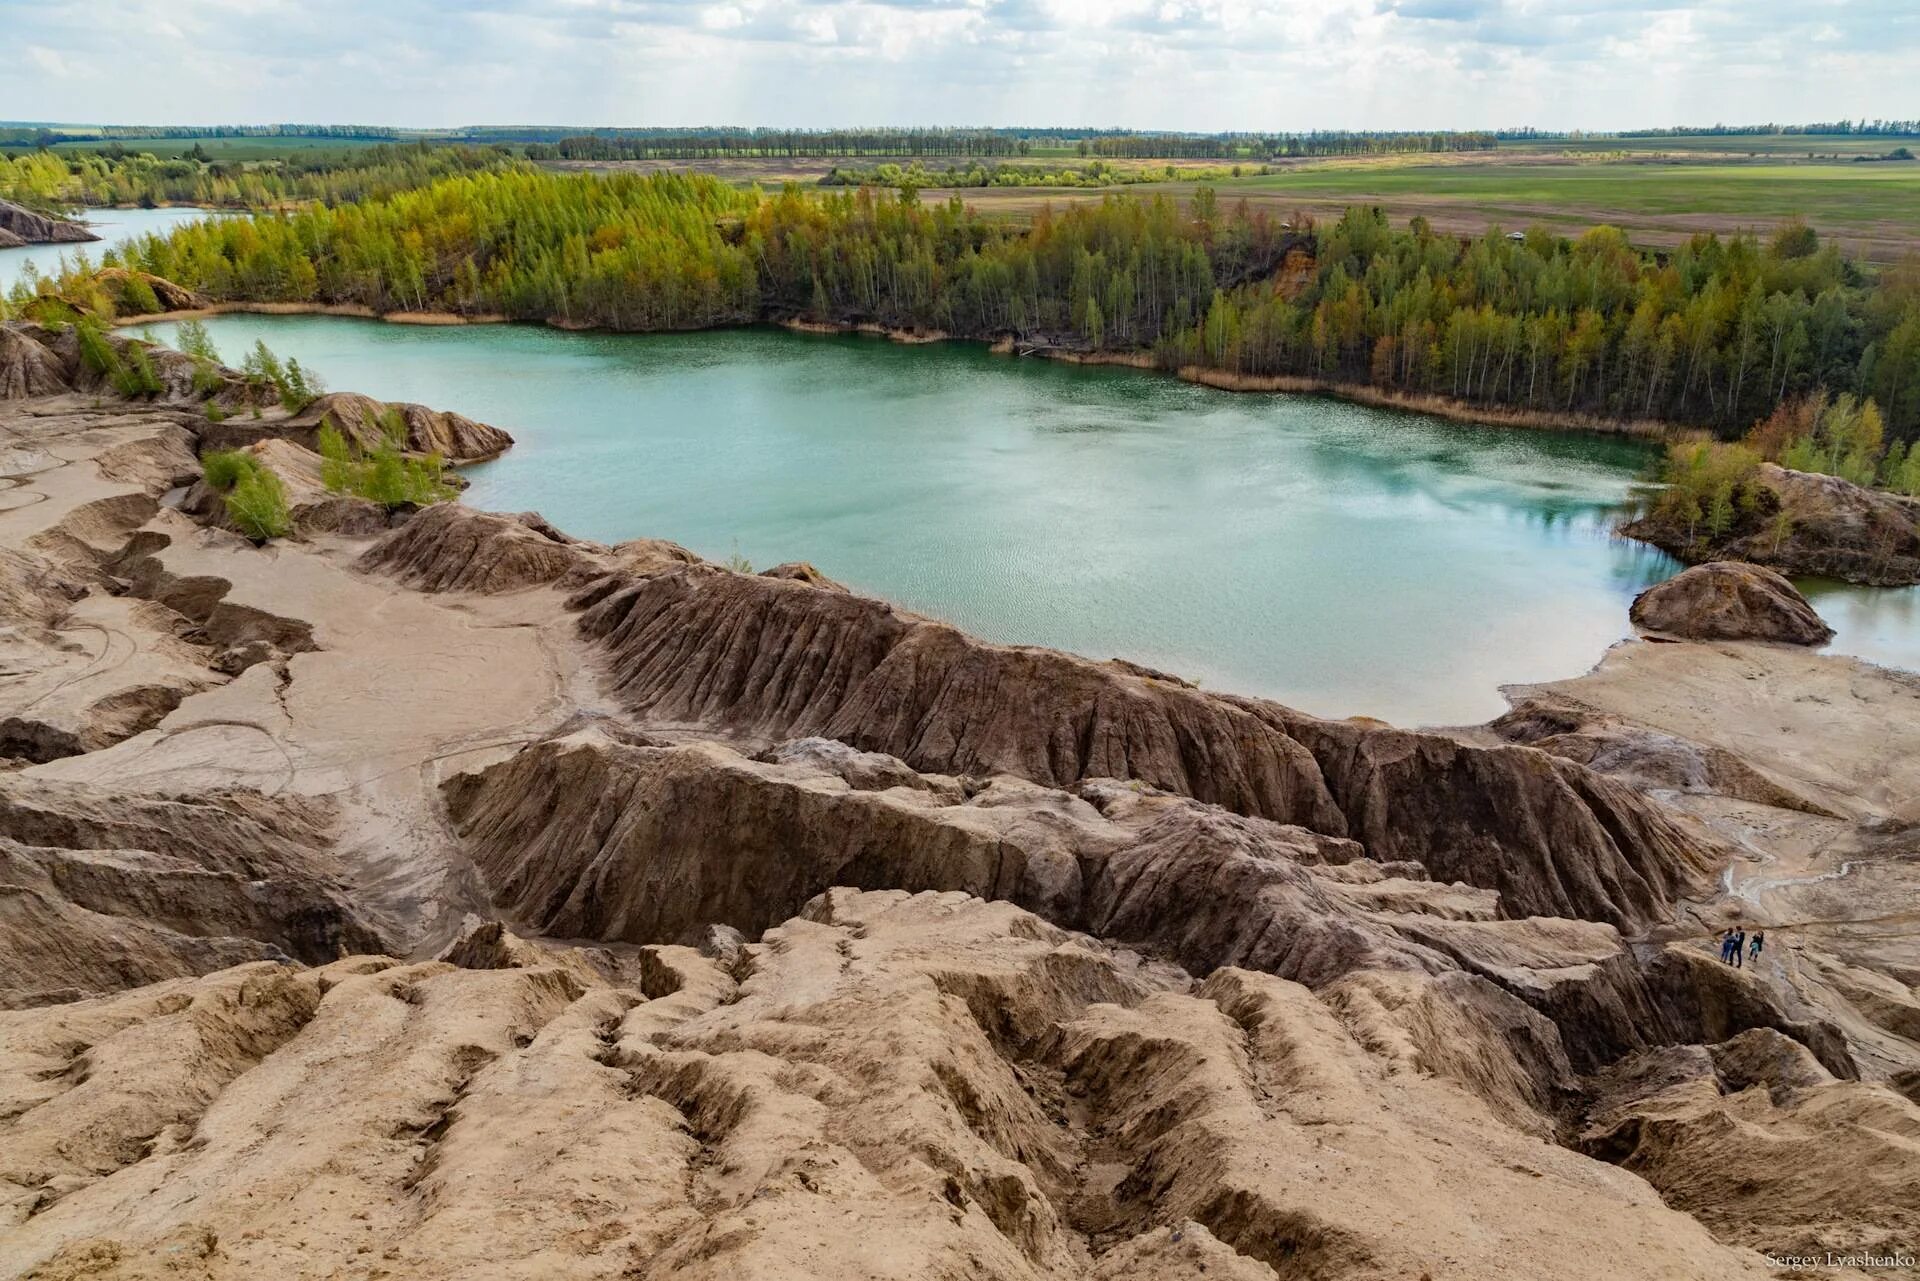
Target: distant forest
[(1829, 129), (55, 181), (1716, 333), (708, 142)]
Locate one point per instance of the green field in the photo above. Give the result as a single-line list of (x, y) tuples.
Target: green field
[(1830, 192), (1873, 209), (1720, 145)]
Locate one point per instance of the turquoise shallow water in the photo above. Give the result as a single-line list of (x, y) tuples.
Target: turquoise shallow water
[(112, 226), (1338, 558)]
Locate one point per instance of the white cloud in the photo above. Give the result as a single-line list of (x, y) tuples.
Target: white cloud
[(1183, 64), (48, 62)]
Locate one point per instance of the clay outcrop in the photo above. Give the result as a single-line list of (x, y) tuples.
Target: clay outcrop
[(27, 367), (587, 837), (363, 421), (452, 548), (101, 891), (771, 659), (1726, 600), (22, 226), (170, 296), (1807, 525)]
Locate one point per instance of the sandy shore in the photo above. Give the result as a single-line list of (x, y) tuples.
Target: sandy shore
[(355, 310)]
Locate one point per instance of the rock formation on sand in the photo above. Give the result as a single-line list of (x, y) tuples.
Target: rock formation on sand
[(363, 421), (22, 226), (1727, 600), (437, 895), (1807, 525), (27, 368)]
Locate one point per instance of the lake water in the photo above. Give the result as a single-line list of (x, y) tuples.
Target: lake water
[(1340, 559), (113, 226)]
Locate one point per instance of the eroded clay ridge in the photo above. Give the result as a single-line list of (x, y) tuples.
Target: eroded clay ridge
[(769, 659), (609, 838)]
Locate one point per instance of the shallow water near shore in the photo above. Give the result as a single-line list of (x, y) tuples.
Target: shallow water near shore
[(1341, 559), (113, 226)]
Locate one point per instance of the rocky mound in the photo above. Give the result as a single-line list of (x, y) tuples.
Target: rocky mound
[(312, 507), (801, 571), (890, 1085), (667, 839), (583, 837), (183, 382), (1726, 600), (766, 659), (22, 226), (452, 548), (362, 420), (1807, 525), (27, 368), (1642, 757), (170, 296)]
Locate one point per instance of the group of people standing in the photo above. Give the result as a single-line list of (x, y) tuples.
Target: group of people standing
[(1736, 944)]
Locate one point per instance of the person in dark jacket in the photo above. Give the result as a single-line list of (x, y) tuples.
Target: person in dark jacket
[(1739, 947), (1753, 948)]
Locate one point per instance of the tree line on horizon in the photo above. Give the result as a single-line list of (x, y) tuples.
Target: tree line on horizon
[(58, 181), (1716, 333), (930, 140)]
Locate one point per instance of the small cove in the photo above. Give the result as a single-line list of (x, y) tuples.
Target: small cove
[(1341, 559)]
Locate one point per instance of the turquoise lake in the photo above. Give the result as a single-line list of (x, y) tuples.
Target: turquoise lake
[(1337, 558)]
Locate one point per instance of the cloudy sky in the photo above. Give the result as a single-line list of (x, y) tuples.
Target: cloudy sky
[(1176, 64)]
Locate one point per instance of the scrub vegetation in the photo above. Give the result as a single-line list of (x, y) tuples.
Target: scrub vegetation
[(255, 498)]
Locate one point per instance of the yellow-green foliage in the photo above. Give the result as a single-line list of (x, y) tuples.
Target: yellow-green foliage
[(258, 505), (128, 368), (193, 340), (383, 474), (296, 387), (1715, 332), (255, 499), (138, 298), (1839, 436), (225, 468), (1709, 485), (50, 181), (1847, 441)]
